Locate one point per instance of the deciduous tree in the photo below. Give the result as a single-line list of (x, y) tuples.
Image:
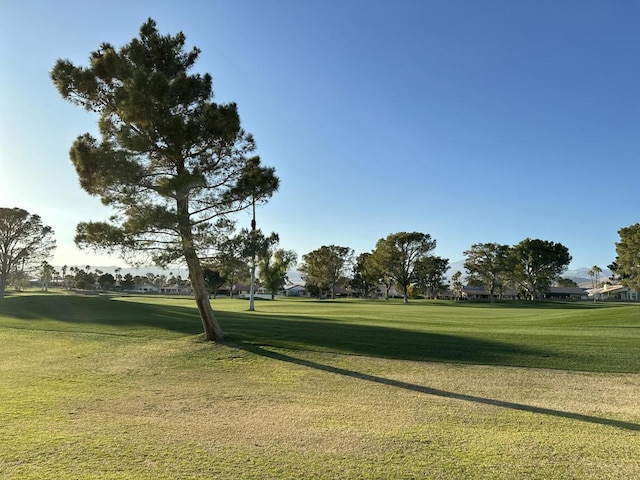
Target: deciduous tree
[(429, 274), (127, 282), (84, 280), (366, 277), (106, 281), (375, 267), (172, 163), (488, 263), (230, 261), (537, 265), (397, 254), (456, 285), (273, 269), (254, 247), (25, 243), (326, 266)]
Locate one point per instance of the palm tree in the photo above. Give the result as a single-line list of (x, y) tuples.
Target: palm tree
[(594, 273)]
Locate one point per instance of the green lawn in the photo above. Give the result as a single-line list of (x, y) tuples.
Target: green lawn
[(120, 387)]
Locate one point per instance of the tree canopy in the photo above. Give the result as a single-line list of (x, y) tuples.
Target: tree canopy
[(25, 243), (255, 247), (567, 282), (365, 276), (326, 266), (214, 279), (429, 275), (538, 264), (274, 267), (627, 263), (230, 261), (397, 255), (172, 163), (456, 285), (488, 263)]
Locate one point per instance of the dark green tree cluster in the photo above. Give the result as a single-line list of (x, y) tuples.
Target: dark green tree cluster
[(531, 267), (627, 263), (405, 259), (365, 280), (401, 259), (88, 279)]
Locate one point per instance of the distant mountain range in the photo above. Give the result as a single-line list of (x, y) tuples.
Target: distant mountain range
[(581, 276)]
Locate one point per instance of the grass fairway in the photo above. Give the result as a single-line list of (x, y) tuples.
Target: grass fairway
[(102, 387)]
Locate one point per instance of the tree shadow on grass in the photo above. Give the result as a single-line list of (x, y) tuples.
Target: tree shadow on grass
[(312, 333), (155, 317), (437, 392), (100, 314)]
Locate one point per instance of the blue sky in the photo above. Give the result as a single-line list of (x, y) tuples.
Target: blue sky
[(473, 121)]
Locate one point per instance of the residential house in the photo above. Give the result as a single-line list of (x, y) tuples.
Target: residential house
[(342, 292), (146, 288), (470, 292), (176, 289), (295, 290), (566, 293), (615, 292), (245, 291)]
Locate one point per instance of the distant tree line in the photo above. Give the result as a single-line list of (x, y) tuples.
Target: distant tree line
[(401, 261), (95, 279), (404, 261)]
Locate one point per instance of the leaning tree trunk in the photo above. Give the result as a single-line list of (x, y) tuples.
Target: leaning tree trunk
[(212, 329)]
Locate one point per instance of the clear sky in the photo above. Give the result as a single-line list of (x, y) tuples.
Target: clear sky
[(473, 121)]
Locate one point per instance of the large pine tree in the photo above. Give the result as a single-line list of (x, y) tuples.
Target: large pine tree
[(170, 161)]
